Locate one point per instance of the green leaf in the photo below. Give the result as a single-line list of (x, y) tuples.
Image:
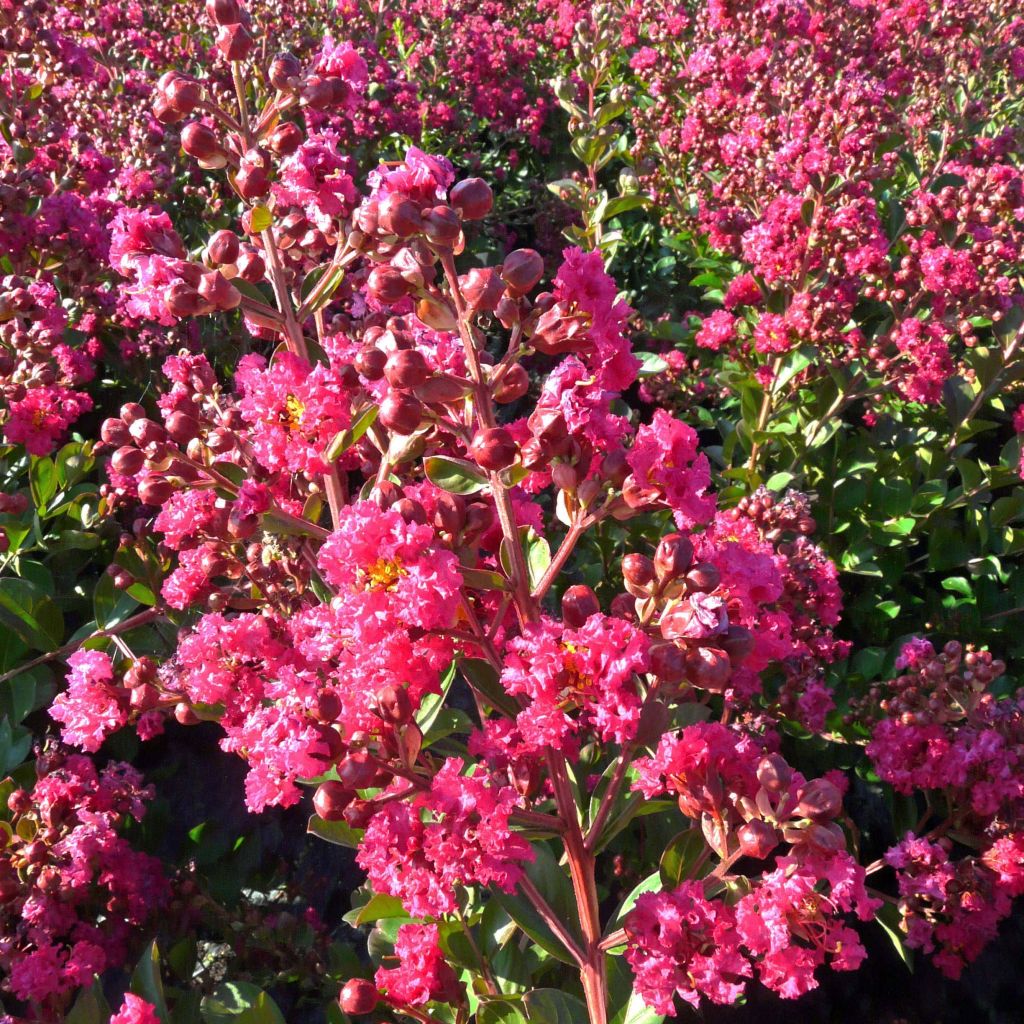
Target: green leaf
[(888, 916), (42, 478), (652, 883), (240, 1002), (147, 983), (90, 1007), (681, 857), (500, 1011), (432, 703), (552, 1006), (261, 218), (337, 832), (457, 476), (347, 438), (651, 364), (484, 679), (32, 615), (376, 907), (538, 556)]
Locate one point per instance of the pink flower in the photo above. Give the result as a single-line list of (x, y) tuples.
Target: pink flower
[(680, 943), (422, 975), (717, 331), (39, 420), (90, 708), (666, 467), (135, 1011)]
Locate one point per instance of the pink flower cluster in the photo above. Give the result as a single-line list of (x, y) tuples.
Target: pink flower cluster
[(76, 896)]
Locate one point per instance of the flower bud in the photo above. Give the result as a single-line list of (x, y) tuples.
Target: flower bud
[(222, 248), (699, 618), (738, 643), (757, 839), (473, 198), (127, 461), (708, 668), (154, 491), (436, 314), (182, 300), (252, 180), (401, 412), (112, 431), (406, 368), (145, 432), (441, 225), (358, 996), (637, 573), (482, 289), (399, 215), (668, 663), (386, 284), (357, 771), (673, 557), (521, 271), (394, 704), (219, 292), (330, 800), (702, 577), (223, 12), (251, 267), (283, 71), (370, 362), (235, 42), (774, 774), (579, 602), (285, 139), (513, 385), (199, 141), (493, 449), (820, 800)]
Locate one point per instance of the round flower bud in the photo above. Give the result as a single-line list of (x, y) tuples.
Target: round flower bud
[(283, 70), (218, 291), (493, 449), (370, 362), (154, 491), (820, 800), (223, 12), (482, 289), (199, 141), (522, 269), (441, 225), (673, 557), (401, 412), (251, 267), (145, 432), (357, 771), (473, 198), (708, 668), (638, 574), (406, 368), (757, 839), (235, 42), (358, 996), (182, 300), (182, 427), (393, 701), (386, 284), (252, 180), (222, 248), (702, 577), (513, 385), (330, 800), (774, 774), (579, 602), (668, 663), (112, 431), (399, 215), (285, 139)]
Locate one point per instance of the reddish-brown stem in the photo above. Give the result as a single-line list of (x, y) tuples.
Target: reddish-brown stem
[(611, 794)]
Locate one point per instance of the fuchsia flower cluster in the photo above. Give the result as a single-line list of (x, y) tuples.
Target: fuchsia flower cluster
[(804, 134), (76, 896)]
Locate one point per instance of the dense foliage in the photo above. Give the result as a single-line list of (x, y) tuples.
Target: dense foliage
[(567, 457)]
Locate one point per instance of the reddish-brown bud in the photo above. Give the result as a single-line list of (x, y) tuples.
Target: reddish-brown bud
[(394, 704), (638, 574), (702, 577), (251, 267), (820, 800), (182, 300), (521, 271), (357, 771), (285, 139), (579, 602), (441, 225), (473, 198), (283, 71), (482, 289), (493, 449), (774, 774), (127, 461), (199, 141), (668, 663), (513, 385), (406, 368), (223, 12), (113, 431), (673, 557), (757, 839), (330, 800), (708, 668), (219, 292), (154, 491), (358, 996), (235, 42), (738, 643), (370, 362), (386, 284), (401, 412), (399, 215), (222, 248)]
